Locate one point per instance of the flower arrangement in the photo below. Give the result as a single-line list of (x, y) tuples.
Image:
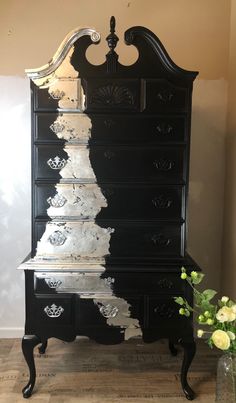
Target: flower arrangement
[(218, 319)]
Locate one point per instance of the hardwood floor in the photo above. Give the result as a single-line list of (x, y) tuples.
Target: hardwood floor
[(86, 372)]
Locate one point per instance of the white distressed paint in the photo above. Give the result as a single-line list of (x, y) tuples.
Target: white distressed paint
[(78, 165), (85, 240), (81, 201), (73, 127)]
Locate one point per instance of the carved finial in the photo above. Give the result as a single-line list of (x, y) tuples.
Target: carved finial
[(112, 38)]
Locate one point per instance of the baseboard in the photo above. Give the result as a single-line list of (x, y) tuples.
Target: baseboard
[(11, 332)]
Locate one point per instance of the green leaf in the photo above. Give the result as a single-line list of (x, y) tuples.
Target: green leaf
[(179, 300), (209, 294)]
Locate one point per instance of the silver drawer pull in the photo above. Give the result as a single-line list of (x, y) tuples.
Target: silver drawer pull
[(57, 94), (164, 129), (57, 238), (56, 162), (108, 311), (162, 202), (165, 96), (160, 240), (52, 282), (57, 201), (163, 164), (109, 281), (53, 311), (56, 127)]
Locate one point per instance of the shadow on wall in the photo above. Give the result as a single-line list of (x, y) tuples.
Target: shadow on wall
[(206, 190)]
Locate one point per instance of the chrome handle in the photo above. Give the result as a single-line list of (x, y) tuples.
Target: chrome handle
[(57, 238), (57, 201), (53, 311), (108, 311), (52, 282), (56, 162)]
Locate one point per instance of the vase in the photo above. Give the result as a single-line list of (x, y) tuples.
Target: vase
[(226, 379)]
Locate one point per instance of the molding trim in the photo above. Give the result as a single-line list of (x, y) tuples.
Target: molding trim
[(11, 332)]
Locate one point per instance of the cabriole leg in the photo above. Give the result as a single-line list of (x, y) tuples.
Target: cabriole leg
[(43, 347), (28, 344), (172, 349), (189, 353)]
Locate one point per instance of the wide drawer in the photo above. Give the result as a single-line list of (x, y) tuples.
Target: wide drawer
[(112, 201), (112, 129), (105, 282), (110, 239), (162, 164)]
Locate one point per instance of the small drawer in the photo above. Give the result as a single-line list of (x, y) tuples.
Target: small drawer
[(164, 311), (95, 311), (63, 94), (54, 310), (161, 95)]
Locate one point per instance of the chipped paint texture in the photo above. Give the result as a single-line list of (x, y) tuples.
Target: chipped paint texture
[(72, 127), (120, 315), (78, 165), (68, 92), (82, 201), (74, 240)]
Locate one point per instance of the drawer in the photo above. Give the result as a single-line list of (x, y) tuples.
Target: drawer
[(109, 202), (124, 164), (164, 311), (63, 94), (113, 95), (104, 282), (54, 310), (163, 96), (49, 159), (118, 312), (112, 129), (102, 241)]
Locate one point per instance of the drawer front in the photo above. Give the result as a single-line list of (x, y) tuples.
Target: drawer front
[(164, 96), (90, 201), (112, 129), (162, 164), (100, 311), (109, 240), (54, 310), (164, 311), (87, 282), (63, 94)]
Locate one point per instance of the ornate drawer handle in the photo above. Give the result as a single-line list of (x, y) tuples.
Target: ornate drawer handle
[(57, 94), (56, 127), (160, 240), (52, 282), (57, 201), (164, 310), (165, 283), (163, 164), (165, 96), (164, 129), (57, 238), (108, 311), (109, 154), (56, 163), (162, 202), (109, 281), (109, 123), (53, 311)]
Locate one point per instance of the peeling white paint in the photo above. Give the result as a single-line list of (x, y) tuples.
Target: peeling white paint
[(73, 127), (78, 165), (79, 240), (82, 201)]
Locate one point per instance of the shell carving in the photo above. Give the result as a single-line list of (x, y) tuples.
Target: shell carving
[(112, 95)]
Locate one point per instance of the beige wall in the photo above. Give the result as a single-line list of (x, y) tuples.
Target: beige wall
[(228, 277), (196, 35)]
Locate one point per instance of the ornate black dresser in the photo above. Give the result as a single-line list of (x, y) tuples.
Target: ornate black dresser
[(110, 153)]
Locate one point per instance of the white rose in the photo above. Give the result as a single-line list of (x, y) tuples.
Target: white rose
[(221, 339), (233, 307), (225, 299), (225, 314), (231, 335)]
